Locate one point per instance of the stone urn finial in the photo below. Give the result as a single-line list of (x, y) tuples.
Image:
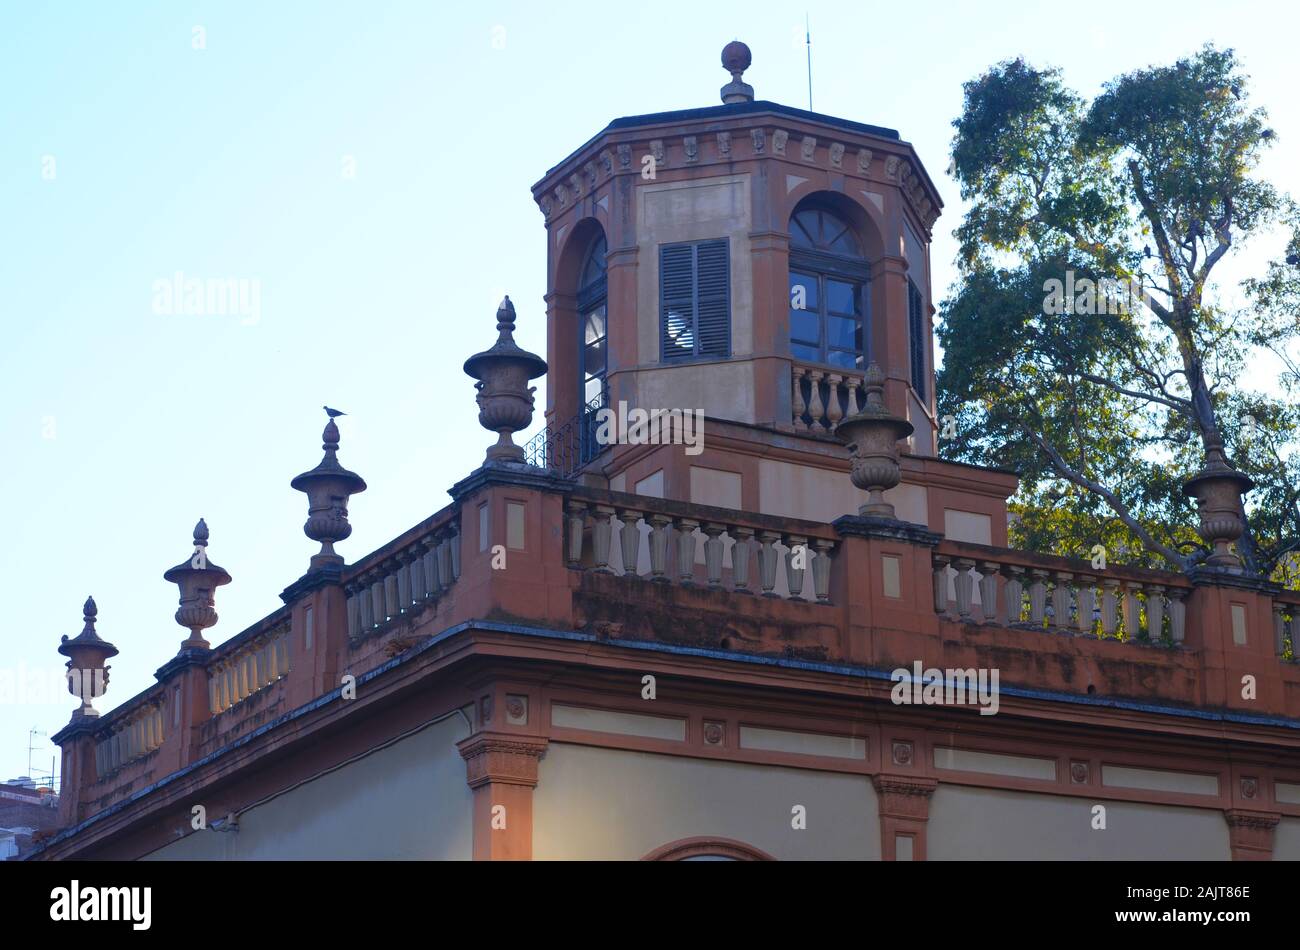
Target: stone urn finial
[(736, 58), (328, 487), (198, 578), (86, 653), (1218, 488), (505, 400), (872, 436)]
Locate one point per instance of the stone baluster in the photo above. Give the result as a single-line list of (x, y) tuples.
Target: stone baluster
[(796, 551), (377, 597), (1061, 600), (713, 549), (1015, 576), (815, 408), (354, 610), (433, 580), (854, 386), (1155, 611), (392, 605), (1109, 606), (1131, 607), (740, 556), (963, 586), (601, 529), (821, 568), (1177, 614), (629, 537), (446, 547), (415, 570), (1279, 629), (367, 604), (1294, 628), (686, 550), (989, 591), (660, 526), (1085, 603), (1037, 596), (796, 397), (767, 557), (940, 567), (453, 550), (833, 411), (577, 517), (404, 561), (282, 652)]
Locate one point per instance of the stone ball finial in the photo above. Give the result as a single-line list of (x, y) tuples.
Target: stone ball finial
[(89, 610), (201, 532), (735, 60)]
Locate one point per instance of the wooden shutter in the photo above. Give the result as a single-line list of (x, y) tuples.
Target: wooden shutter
[(695, 300), (713, 299)]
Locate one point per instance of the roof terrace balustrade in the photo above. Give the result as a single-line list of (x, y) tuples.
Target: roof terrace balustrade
[(821, 396), (253, 664), (792, 563), (975, 583), (134, 733), (389, 585)]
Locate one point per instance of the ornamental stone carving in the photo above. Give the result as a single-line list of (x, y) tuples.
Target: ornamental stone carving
[(724, 144), (779, 138), (691, 145), (625, 156), (864, 160), (808, 148), (837, 154), (505, 400), (872, 436), (1218, 488), (759, 139)]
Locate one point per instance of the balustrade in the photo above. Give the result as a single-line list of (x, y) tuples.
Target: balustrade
[(782, 555)]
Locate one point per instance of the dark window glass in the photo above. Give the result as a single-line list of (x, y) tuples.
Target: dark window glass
[(828, 274), (918, 337)]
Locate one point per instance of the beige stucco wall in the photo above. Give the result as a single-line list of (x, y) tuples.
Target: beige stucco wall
[(1286, 840), (408, 801), (993, 824), (817, 494), (611, 804), (696, 210)]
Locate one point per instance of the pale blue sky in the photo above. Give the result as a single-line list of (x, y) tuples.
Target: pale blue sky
[(227, 162)]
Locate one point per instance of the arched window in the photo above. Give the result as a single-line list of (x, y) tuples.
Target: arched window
[(707, 849), (593, 321), (828, 290), (593, 337)]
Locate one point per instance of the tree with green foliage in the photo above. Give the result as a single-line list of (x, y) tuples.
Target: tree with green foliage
[(1086, 343)]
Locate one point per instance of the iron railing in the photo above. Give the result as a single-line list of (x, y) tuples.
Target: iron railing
[(568, 447)]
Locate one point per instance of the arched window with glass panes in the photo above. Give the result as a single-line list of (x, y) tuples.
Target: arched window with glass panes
[(593, 329), (829, 275)]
